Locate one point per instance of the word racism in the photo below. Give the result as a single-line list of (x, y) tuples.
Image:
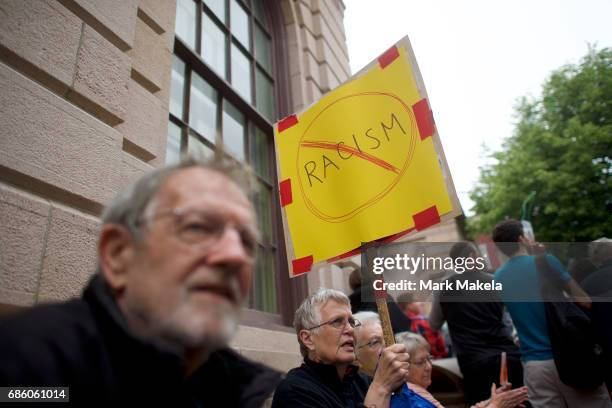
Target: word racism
[(425, 263), (430, 285), (344, 151)]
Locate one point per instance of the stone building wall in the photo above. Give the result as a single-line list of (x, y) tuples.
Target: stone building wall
[(84, 110)]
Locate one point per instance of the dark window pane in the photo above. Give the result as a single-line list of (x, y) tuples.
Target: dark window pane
[(265, 282), (260, 158), (233, 130), (241, 73), (239, 20), (265, 103), (263, 52), (213, 45), (258, 10), (217, 7), (173, 145), (203, 108), (185, 26), (263, 206), (177, 87)]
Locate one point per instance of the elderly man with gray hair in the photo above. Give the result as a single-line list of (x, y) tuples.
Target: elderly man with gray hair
[(325, 329), (175, 254)]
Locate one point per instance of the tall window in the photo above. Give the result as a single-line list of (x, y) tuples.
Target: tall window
[(222, 96)]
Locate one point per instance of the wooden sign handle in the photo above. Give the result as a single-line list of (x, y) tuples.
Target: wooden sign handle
[(385, 321), (367, 277)]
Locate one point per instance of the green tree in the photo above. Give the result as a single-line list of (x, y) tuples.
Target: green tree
[(561, 149)]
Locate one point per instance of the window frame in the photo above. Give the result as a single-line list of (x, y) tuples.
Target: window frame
[(289, 291)]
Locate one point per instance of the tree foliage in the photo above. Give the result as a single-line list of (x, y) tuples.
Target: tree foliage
[(561, 149)]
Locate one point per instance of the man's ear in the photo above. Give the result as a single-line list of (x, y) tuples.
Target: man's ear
[(306, 339), (115, 251), (525, 241)]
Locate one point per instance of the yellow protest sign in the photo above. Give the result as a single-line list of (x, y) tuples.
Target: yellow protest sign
[(362, 163)]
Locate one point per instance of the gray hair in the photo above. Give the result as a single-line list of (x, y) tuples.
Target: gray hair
[(600, 251), (366, 318), (309, 313), (129, 207), (412, 341)]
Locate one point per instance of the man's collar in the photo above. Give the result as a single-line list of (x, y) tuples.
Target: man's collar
[(253, 382), (329, 373), (98, 295)]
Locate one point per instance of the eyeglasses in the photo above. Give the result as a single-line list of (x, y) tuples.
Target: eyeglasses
[(422, 362), (339, 323), (373, 343), (202, 228)]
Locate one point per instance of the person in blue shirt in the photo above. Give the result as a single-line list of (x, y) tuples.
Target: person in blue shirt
[(521, 295)]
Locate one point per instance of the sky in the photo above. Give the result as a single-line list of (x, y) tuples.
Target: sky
[(477, 58)]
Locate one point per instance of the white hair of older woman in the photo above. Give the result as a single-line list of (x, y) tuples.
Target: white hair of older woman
[(309, 313), (412, 341), (367, 317)]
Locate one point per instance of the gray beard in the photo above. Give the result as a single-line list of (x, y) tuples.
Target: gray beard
[(186, 330), (199, 332)]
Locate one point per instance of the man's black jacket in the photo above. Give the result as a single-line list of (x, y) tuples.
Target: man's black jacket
[(476, 322), (84, 344)]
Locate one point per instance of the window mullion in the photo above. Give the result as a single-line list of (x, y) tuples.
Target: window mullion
[(228, 42), (186, 93), (199, 28), (247, 142), (252, 52), (219, 131)]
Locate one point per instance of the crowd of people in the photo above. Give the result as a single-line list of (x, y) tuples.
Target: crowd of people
[(175, 262)]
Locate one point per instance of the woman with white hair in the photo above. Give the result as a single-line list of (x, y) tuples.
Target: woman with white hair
[(369, 341), (419, 378), (325, 329)]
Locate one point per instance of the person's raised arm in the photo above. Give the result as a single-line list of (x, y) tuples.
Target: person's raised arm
[(577, 294), (572, 287), (391, 373)]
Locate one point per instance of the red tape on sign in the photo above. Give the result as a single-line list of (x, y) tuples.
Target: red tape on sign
[(424, 118), (357, 251), (348, 254), (426, 218), (286, 123), (393, 237), (388, 57), (301, 265), (286, 196)]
